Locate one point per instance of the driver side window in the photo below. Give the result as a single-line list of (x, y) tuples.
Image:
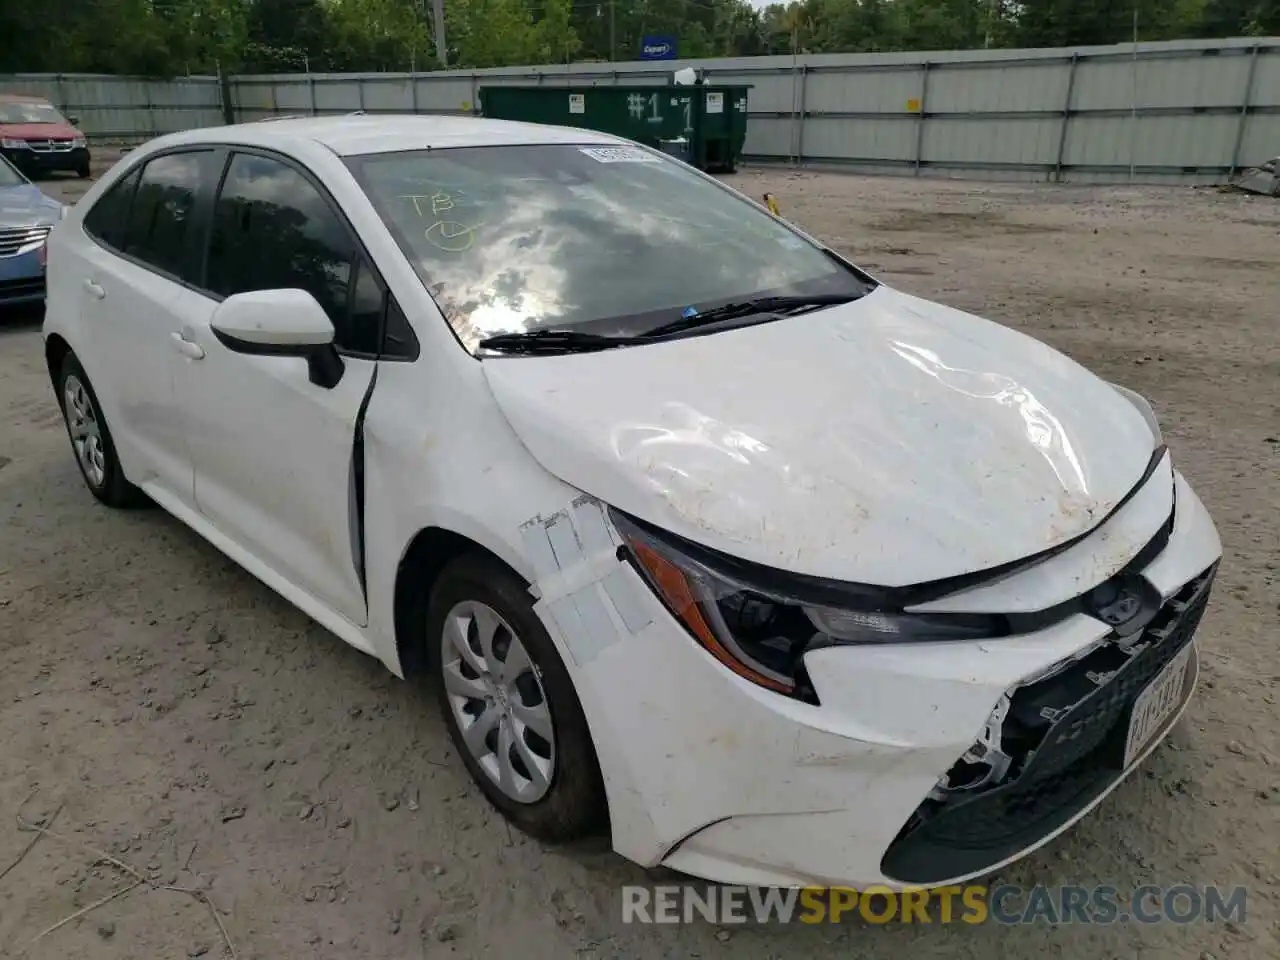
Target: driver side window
[(272, 229)]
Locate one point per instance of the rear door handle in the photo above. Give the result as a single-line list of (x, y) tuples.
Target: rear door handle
[(95, 289), (192, 351)]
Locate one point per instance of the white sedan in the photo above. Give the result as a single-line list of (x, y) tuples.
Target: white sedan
[(696, 529)]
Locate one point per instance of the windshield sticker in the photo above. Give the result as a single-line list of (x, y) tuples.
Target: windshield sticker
[(619, 155)]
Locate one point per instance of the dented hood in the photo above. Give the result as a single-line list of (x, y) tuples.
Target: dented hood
[(889, 441)]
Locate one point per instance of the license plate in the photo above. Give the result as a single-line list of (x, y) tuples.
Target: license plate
[(1154, 705)]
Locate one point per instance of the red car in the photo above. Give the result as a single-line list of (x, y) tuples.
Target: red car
[(36, 138)]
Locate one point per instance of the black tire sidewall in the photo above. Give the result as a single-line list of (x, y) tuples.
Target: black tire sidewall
[(574, 806)]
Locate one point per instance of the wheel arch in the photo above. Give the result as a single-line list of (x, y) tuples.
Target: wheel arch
[(425, 558), (56, 349)]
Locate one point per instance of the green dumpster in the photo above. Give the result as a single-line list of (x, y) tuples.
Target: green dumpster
[(713, 119)]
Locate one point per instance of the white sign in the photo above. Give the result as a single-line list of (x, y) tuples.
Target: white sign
[(577, 103), (618, 155), (715, 103)]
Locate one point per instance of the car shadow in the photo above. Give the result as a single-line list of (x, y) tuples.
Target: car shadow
[(22, 318)]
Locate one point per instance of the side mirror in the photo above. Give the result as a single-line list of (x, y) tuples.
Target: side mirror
[(74, 121), (280, 323)]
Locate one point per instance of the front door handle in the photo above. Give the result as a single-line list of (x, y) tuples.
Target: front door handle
[(192, 351), (95, 289)]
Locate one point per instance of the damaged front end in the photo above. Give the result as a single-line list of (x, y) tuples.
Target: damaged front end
[(1050, 748)]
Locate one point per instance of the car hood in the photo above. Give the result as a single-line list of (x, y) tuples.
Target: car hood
[(39, 131), (25, 206), (889, 441)]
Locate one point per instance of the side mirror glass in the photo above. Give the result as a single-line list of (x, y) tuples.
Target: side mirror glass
[(280, 323)]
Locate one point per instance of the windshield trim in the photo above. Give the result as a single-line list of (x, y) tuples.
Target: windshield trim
[(355, 164)]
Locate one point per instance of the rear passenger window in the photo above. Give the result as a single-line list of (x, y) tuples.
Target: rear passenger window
[(106, 221), (273, 229), (161, 230)]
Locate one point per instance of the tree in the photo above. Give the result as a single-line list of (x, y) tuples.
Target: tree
[(168, 37)]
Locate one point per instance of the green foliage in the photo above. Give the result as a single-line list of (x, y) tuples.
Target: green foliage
[(175, 37)]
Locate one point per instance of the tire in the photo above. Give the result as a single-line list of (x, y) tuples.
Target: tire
[(563, 803), (83, 172), (91, 442)]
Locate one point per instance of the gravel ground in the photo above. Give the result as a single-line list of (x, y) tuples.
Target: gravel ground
[(182, 718)]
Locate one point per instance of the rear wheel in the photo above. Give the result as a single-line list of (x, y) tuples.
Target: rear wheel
[(509, 703), (91, 439)]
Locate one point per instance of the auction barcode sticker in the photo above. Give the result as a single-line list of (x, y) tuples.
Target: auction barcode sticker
[(618, 155)]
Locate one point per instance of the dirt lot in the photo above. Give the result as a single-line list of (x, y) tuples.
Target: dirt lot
[(178, 715)]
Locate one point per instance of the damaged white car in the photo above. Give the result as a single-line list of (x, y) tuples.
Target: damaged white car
[(696, 529)]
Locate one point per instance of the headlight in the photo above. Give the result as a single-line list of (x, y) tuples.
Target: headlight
[(760, 630), (1144, 408), (13, 144), (79, 143)]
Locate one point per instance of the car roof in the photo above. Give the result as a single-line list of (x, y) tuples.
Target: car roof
[(348, 135), (21, 98)]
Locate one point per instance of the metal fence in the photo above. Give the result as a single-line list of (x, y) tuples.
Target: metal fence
[(1185, 111), (125, 109)]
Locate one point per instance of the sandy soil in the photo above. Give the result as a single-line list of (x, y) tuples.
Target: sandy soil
[(182, 718)]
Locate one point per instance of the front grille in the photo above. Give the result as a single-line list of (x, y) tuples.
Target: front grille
[(1064, 736), (14, 239), (23, 287), (50, 146)]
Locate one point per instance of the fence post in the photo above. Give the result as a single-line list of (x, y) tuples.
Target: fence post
[(360, 90), (924, 106), (151, 110), (311, 83), (1244, 111), (1066, 117), (275, 103), (413, 93), (804, 114), (224, 94), (475, 94)]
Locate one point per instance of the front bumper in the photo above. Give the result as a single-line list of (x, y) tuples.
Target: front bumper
[(47, 161), (22, 279), (713, 776)]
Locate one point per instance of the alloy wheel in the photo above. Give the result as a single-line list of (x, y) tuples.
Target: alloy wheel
[(85, 430), (498, 701)]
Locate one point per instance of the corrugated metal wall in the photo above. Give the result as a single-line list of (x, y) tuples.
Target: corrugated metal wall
[(124, 109), (1186, 111)]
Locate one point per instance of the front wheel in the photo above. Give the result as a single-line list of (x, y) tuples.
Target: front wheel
[(83, 172), (91, 440), (510, 704)]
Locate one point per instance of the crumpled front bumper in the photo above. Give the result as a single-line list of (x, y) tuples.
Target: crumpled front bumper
[(716, 777)]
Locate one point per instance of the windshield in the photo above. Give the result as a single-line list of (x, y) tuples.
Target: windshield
[(29, 112), (604, 240), (10, 177)]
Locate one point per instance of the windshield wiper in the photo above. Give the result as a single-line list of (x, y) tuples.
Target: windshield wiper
[(552, 341), (747, 308)]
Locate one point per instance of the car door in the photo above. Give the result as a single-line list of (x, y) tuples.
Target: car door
[(135, 288), (274, 454)]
